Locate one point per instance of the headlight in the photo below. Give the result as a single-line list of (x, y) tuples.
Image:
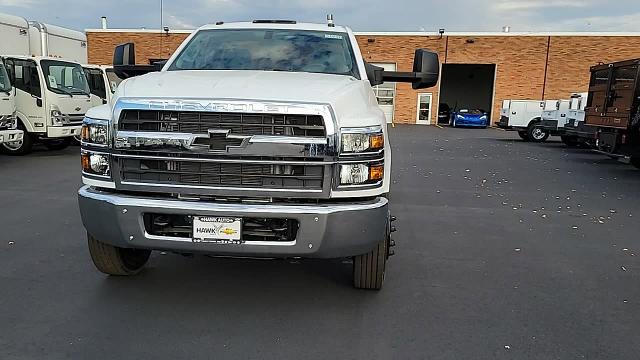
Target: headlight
[(360, 174), (95, 132), (95, 164), (483, 117), (8, 121), (57, 118), (359, 140)]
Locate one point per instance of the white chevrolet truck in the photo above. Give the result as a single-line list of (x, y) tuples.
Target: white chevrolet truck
[(259, 139)]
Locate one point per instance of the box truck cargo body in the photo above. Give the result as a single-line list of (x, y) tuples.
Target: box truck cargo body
[(54, 41), (613, 108)]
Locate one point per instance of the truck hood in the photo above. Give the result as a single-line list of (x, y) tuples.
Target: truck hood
[(352, 100), (78, 104)]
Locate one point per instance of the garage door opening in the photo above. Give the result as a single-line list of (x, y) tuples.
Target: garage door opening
[(466, 86)]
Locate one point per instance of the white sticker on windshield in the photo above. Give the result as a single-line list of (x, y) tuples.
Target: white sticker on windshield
[(332, 36), (52, 81)]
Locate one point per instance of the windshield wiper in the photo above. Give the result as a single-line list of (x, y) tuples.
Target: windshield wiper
[(58, 90)]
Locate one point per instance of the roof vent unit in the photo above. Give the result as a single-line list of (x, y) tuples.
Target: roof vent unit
[(330, 22), (506, 29)]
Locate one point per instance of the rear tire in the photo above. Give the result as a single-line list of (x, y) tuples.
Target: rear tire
[(536, 134), (57, 144), (523, 135), (19, 148), (113, 260), (369, 269)]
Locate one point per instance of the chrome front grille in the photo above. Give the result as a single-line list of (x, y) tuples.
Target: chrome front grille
[(222, 174), (205, 148), (236, 123)]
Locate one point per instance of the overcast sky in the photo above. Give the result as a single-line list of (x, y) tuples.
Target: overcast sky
[(361, 15)]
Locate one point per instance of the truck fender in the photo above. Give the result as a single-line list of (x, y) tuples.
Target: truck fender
[(25, 124), (534, 121)]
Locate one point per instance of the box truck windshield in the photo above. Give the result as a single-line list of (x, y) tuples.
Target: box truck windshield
[(65, 78)]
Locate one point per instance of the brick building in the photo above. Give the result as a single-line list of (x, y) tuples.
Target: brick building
[(479, 69)]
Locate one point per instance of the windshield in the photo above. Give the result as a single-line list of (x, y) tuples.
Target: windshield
[(269, 50), (64, 77), (5, 84), (472, 111)]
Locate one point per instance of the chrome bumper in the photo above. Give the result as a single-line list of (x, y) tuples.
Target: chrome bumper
[(325, 231), (9, 136)]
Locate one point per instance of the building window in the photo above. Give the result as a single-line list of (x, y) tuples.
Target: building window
[(424, 109), (386, 93)]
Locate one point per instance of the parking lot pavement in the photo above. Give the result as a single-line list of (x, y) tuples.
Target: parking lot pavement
[(506, 250)]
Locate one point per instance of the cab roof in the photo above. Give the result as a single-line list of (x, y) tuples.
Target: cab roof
[(268, 24)]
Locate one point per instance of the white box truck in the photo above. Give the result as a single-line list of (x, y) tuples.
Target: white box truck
[(51, 93), (554, 116), (9, 132), (523, 116), (102, 83)]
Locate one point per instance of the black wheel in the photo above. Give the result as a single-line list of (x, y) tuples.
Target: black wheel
[(570, 141), (22, 147), (113, 260), (635, 161), (57, 144), (537, 134), (523, 135), (369, 269)]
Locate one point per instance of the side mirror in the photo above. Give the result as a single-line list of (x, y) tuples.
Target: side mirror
[(426, 65), (124, 54), (426, 71), (124, 62)]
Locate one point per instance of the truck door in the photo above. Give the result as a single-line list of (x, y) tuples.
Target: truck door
[(97, 86), (29, 101)]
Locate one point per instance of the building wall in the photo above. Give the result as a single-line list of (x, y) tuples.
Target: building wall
[(521, 61)]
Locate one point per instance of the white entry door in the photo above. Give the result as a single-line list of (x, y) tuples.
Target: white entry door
[(386, 93), (424, 109)]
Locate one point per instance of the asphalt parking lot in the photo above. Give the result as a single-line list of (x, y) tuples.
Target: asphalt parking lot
[(506, 250)]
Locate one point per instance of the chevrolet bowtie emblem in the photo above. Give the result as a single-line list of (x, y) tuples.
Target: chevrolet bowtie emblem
[(78, 109), (221, 140)]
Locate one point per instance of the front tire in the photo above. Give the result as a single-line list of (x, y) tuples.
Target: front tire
[(369, 269), (57, 144), (113, 260), (536, 134)]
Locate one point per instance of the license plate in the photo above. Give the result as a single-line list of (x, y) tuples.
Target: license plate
[(216, 229)]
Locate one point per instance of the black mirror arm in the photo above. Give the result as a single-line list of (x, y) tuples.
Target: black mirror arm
[(397, 76)]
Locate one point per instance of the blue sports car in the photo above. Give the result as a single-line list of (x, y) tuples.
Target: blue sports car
[(470, 118)]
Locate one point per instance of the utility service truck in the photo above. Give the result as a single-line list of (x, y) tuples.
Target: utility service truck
[(554, 117), (51, 93), (523, 116), (576, 132), (258, 139), (613, 108)]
